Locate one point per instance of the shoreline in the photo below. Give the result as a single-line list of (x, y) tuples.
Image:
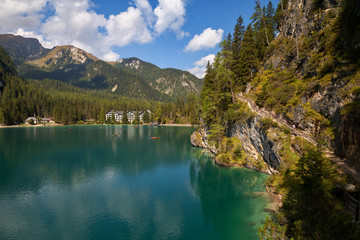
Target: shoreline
[(60, 124), (275, 199), (31, 126)]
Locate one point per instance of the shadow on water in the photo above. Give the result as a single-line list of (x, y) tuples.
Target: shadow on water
[(228, 196), (106, 182)]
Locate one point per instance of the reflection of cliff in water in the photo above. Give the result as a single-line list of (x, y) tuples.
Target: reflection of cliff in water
[(67, 155), (228, 193)]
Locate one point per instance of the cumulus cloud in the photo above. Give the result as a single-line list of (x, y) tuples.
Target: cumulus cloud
[(32, 34), (20, 14), (209, 38), (146, 9), (200, 66), (127, 27), (110, 56), (75, 22), (170, 16)]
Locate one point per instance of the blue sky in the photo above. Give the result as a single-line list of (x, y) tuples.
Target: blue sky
[(182, 34)]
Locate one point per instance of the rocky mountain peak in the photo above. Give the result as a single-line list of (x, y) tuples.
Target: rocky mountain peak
[(62, 55), (22, 49), (78, 55)]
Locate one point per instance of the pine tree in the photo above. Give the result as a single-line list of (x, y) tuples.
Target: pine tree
[(207, 96), (270, 21), (125, 118), (225, 76), (146, 117), (309, 206), (236, 46), (264, 24), (248, 60), (137, 117), (102, 114)]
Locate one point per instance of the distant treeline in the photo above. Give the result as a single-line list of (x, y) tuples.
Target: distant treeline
[(21, 98)]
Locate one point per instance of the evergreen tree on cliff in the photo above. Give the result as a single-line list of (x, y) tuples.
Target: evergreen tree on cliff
[(248, 60), (264, 27), (236, 47), (207, 96)]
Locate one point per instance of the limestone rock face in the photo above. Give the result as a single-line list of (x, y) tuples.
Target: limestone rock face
[(256, 142), (196, 140), (199, 139), (301, 17)]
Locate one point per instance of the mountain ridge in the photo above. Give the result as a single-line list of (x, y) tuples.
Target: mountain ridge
[(22, 49), (170, 81), (75, 66)]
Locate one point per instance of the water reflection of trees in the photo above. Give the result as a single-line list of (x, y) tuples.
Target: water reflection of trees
[(69, 181), (66, 156), (229, 194)]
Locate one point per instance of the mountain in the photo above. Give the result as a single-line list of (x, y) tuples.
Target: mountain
[(61, 56), (22, 49), (170, 81), (127, 77), (18, 98), (81, 69)]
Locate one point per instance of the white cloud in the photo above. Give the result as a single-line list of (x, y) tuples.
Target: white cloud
[(127, 27), (200, 66), (209, 38), (20, 14), (170, 16), (204, 60), (75, 22), (111, 56), (32, 34), (146, 9)]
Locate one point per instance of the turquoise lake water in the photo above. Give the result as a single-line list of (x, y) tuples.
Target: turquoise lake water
[(86, 183)]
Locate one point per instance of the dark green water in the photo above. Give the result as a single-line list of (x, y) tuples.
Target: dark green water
[(84, 183)]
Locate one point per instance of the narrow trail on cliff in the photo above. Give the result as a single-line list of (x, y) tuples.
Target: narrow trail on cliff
[(267, 114), (261, 112)]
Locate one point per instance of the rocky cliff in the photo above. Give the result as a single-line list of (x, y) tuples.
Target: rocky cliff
[(306, 91), (258, 143), (22, 49), (318, 49)]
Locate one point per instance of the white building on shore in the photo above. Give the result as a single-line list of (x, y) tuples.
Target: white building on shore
[(118, 115), (131, 115)]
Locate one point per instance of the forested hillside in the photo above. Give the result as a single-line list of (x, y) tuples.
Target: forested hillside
[(282, 90), (127, 77), (170, 81), (68, 104), (81, 69)]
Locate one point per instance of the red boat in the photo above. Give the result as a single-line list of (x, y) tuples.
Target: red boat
[(154, 138)]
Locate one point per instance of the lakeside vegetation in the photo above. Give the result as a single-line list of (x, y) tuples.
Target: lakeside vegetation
[(313, 205)]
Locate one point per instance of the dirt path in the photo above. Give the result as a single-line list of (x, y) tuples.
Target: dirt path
[(342, 163), (266, 114)]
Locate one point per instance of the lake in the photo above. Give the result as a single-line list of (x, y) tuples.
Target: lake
[(83, 182)]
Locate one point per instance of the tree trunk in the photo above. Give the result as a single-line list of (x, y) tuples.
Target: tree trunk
[(263, 18)]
